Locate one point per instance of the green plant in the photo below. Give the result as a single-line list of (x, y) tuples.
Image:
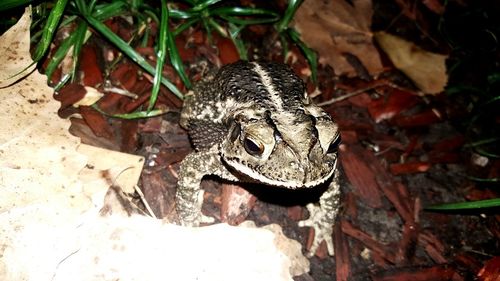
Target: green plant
[(82, 16), (489, 203), (286, 32), (214, 17)]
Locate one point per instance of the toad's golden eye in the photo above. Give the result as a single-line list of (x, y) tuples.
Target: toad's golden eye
[(253, 147), (334, 145)]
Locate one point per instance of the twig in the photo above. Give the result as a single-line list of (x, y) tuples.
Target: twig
[(346, 96), (144, 201)]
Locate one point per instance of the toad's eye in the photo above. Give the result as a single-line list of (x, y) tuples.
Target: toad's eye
[(253, 147), (334, 145)]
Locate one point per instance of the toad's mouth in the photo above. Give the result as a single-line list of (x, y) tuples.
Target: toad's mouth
[(290, 183)]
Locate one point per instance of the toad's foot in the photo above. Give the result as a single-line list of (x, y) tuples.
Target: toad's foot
[(323, 228), (190, 214)]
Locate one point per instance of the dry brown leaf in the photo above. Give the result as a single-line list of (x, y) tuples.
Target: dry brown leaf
[(14, 51), (427, 70), (334, 28), (292, 248), (92, 95), (142, 248), (51, 195)]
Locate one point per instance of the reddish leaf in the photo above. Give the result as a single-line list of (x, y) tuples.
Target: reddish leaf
[(490, 270), (70, 94), (432, 246), (436, 273), (446, 157), (361, 100), (96, 122), (396, 102), (349, 137), (409, 168), (124, 75), (425, 118), (383, 250), (157, 194), (295, 213), (322, 251), (227, 51), (129, 135), (236, 204), (80, 129), (92, 74), (408, 243), (361, 176), (186, 53), (434, 5), (110, 102), (342, 254)]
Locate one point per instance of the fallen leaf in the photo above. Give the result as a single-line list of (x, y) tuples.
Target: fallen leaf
[(143, 248), (427, 70), (337, 28), (360, 175), (237, 203), (491, 270), (15, 51), (409, 168), (292, 248), (91, 96), (391, 105)]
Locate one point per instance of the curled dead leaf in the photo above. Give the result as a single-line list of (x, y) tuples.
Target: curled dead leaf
[(427, 70)]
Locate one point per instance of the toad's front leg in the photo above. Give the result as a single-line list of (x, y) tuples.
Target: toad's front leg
[(322, 217), (189, 195)]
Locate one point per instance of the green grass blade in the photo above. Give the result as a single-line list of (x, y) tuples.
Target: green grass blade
[(488, 180), (311, 56), (211, 23), (482, 142), (133, 115), (234, 14), (59, 55), (180, 14), (81, 34), (176, 60), (489, 203), (81, 6), (234, 32), (160, 54), (292, 7), (203, 5), (130, 52), (62, 82), (284, 44), (105, 11), (494, 78), (9, 4), (184, 26), (152, 15), (91, 5), (136, 4), (491, 101), (49, 29)]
